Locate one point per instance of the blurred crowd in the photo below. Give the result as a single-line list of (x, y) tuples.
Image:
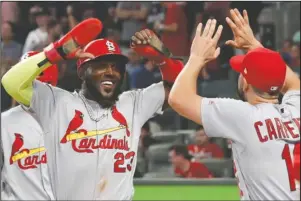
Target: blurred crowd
[(28, 26)]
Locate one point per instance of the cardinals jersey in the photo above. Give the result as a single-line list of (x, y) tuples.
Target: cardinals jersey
[(264, 138), (24, 158), (92, 151)]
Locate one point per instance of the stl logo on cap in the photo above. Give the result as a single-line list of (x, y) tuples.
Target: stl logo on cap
[(110, 46)]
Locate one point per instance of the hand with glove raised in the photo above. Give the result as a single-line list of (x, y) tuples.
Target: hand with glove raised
[(69, 46), (148, 45)]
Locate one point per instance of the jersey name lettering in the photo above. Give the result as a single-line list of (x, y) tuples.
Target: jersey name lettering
[(87, 145), (29, 158), (31, 162), (277, 129)]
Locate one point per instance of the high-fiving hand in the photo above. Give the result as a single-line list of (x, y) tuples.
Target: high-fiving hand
[(243, 34), (203, 48)]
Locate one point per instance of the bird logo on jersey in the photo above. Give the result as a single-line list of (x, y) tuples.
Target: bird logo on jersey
[(30, 156), (87, 142), (74, 124)]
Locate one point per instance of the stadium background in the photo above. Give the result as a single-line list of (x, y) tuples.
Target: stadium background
[(276, 24)]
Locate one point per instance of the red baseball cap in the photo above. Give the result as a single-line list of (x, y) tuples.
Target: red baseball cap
[(262, 68)]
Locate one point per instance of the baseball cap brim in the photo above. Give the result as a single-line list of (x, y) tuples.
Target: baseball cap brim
[(113, 57), (236, 63)]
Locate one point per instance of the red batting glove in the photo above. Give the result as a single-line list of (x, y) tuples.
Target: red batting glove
[(78, 37), (157, 52)]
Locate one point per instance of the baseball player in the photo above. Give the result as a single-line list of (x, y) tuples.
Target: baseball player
[(92, 134), (22, 142), (265, 135)]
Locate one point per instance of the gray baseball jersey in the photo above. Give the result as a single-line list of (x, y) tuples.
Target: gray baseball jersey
[(24, 157), (263, 140), (92, 151)]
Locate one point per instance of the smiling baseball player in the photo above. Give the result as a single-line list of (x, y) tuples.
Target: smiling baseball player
[(265, 135), (22, 142), (92, 134)]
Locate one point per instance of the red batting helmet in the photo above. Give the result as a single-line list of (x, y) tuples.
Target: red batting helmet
[(50, 75), (101, 49)]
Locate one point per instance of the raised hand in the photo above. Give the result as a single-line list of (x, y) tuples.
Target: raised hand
[(70, 45), (243, 34), (204, 44), (147, 44), (142, 37)]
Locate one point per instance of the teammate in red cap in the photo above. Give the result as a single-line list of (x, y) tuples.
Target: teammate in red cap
[(92, 134), (23, 149), (265, 135)]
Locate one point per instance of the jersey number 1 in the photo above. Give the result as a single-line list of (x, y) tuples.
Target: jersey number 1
[(121, 159), (291, 167)]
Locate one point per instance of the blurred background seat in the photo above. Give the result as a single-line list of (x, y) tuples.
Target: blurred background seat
[(219, 167), (158, 156)]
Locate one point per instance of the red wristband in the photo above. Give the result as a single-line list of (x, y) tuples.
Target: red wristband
[(170, 69), (52, 54)]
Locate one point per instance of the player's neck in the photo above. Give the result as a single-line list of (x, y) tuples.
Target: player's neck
[(258, 100), (87, 94)]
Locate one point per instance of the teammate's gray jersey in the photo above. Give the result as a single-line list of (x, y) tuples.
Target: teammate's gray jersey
[(93, 157), (263, 139), (22, 176)]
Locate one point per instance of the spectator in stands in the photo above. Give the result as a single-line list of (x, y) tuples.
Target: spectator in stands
[(285, 51), (156, 14), (146, 139), (9, 11), (134, 61), (174, 29), (203, 148), (133, 16), (32, 16), (295, 54), (38, 36), (184, 166), (10, 49), (73, 16), (143, 76), (296, 37), (219, 11), (54, 32), (194, 11)]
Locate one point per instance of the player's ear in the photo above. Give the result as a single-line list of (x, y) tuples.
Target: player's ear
[(245, 85)]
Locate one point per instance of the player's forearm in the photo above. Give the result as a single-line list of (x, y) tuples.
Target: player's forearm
[(185, 87), (18, 80), (292, 81)]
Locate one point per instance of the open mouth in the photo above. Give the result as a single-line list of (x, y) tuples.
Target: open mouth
[(107, 84)]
